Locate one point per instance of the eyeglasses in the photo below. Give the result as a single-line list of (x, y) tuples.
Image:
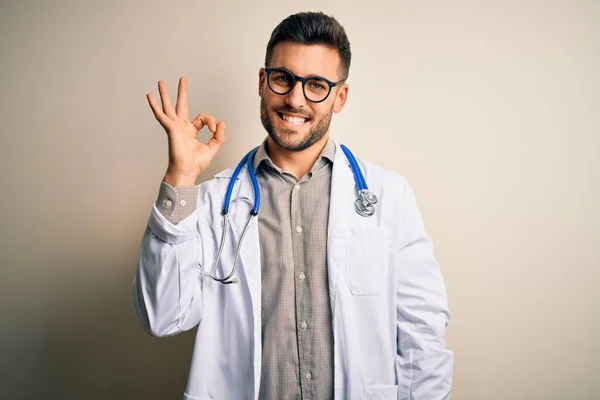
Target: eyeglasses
[(315, 88)]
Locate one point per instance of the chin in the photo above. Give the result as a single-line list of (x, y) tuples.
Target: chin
[(286, 138)]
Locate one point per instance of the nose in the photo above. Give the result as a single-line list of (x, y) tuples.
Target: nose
[(295, 98)]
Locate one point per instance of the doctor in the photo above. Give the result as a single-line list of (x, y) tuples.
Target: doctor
[(326, 303)]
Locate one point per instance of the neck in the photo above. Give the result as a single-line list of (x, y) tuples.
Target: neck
[(297, 163)]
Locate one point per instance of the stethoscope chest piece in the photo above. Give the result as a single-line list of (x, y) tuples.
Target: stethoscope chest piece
[(364, 203)]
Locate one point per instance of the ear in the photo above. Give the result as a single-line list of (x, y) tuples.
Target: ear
[(262, 76), (340, 98)]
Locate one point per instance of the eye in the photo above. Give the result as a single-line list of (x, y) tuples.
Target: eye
[(281, 77), (317, 85)]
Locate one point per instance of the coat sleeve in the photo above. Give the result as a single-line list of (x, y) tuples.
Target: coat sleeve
[(167, 289), (423, 364)]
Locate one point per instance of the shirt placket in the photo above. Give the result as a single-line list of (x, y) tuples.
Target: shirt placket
[(301, 288)]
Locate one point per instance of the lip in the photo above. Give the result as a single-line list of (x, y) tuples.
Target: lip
[(280, 115), (292, 115)]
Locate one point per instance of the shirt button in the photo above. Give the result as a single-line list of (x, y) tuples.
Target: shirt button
[(302, 276), (168, 203), (297, 186), (304, 325), (182, 203), (308, 375), (299, 229)]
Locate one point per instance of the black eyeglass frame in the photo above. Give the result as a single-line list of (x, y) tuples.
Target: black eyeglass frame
[(297, 78)]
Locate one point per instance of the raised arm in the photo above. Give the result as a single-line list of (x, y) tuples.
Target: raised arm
[(166, 289)]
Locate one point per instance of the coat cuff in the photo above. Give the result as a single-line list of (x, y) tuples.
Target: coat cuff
[(170, 233)]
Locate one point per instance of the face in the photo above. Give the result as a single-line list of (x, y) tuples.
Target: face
[(293, 122)]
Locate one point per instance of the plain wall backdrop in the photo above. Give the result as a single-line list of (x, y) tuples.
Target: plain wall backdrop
[(489, 108)]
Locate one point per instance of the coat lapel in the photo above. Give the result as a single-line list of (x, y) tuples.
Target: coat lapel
[(343, 193), (249, 267)]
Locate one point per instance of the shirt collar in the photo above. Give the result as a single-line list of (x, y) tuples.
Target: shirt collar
[(328, 153)]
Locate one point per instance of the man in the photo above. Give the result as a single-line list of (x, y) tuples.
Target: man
[(325, 302)]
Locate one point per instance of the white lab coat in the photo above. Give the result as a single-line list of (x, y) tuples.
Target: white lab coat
[(386, 290)]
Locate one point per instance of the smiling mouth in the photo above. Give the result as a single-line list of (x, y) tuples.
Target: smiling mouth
[(295, 121)]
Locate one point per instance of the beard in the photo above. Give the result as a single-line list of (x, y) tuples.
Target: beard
[(314, 135)]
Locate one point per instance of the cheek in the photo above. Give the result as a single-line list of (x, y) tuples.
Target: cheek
[(272, 100), (322, 110)]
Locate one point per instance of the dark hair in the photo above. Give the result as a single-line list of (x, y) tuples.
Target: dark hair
[(313, 28)]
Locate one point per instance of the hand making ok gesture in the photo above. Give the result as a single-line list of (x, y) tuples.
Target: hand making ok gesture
[(188, 156)]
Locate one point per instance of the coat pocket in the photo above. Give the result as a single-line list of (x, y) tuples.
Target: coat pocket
[(381, 392), (368, 260)]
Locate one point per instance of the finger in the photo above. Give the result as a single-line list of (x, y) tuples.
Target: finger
[(182, 99), (210, 121), (218, 138), (197, 122), (166, 100), (160, 116)]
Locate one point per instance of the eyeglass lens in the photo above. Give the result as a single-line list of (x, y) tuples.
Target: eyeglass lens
[(282, 82)]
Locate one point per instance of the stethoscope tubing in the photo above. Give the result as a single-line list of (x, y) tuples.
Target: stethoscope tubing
[(248, 161), (358, 176), (250, 166)]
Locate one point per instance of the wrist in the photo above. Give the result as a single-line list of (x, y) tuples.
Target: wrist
[(179, 179)]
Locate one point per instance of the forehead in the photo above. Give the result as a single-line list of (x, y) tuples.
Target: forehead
[(303, 60)]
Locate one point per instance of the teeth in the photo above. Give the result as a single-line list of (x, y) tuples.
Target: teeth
[(293, 120)]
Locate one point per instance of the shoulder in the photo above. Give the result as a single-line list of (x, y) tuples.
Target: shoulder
[(374, 172), (217, 181), (381, 176)]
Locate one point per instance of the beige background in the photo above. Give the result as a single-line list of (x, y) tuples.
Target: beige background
[(489, 108)]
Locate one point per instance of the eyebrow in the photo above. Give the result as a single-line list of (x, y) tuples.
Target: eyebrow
[(311, 76)]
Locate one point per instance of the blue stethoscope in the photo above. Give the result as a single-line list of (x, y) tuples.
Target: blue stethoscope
[(363, 206)]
